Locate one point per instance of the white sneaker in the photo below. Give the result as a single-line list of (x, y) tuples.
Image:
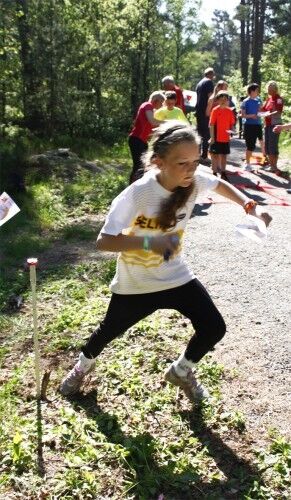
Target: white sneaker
[(193, 390), (73, 381), (248, 167)]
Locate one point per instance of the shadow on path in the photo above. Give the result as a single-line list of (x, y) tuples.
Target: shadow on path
[(283, 183), (40, 460), (199, 209)]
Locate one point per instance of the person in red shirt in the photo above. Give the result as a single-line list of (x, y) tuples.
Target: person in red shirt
[(142, 128), (168, 83), (221, 123), (273, 105)]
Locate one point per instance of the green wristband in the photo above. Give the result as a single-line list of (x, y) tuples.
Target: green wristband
[(146, 243)]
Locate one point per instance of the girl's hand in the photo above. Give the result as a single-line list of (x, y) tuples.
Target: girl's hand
[(257, 212), (165, 245)]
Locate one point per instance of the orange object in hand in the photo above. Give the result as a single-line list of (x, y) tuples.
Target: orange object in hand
[(249, 205)]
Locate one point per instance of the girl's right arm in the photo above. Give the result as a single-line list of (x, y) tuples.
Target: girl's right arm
[(122, 243)]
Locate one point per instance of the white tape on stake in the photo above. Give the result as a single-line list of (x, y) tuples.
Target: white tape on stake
[(32, 262)]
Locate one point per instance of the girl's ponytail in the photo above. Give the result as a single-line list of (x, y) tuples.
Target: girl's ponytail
[(169, 207)]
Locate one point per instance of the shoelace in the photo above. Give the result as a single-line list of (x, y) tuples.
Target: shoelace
[(75, 372), (192, 379)]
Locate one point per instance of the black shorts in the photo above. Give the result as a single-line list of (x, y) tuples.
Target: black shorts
[(251, 134), (220, 148)]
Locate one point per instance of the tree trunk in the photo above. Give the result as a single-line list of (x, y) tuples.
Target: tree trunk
[(146, 66), (2, 109), (135, 79), (3, 83), (32, 116), (52, 72), (244, 44), (258, 37)]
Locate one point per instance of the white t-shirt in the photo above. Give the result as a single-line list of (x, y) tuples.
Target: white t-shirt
[(134, 212)]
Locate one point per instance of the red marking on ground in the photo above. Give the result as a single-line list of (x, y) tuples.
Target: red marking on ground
[(265, 188)]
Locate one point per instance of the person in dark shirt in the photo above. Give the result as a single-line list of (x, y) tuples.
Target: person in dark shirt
[(204, 90)]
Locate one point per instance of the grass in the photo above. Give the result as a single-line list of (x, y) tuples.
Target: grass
[(133, 439), (129, 435)]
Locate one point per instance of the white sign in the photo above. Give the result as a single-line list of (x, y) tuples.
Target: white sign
[(8, 208)]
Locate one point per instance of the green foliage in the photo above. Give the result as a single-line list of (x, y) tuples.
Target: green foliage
[(11, 283), (275, 463)]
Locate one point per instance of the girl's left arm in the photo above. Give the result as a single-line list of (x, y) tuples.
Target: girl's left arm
[(228, 191)]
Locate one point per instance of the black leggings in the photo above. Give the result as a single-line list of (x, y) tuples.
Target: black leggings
[(204, 132), (192, 300), (137, 148)]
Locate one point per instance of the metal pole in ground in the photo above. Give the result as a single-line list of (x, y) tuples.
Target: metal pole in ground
[(32, 262)]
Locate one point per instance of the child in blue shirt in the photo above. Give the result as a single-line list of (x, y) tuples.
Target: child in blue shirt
[(253, 128)]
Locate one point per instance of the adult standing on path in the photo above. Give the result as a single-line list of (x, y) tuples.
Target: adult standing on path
[(273, 104), (143, 124), (168, 84), (204, 90)]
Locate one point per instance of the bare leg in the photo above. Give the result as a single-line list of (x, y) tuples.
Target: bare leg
[(214, 162), (273, 162), (248, 157), (223, 168), (222, 162)]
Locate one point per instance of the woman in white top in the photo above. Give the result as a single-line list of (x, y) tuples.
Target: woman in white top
[(145, 224)]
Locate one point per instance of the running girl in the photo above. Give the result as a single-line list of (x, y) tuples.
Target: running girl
[(145, 224)]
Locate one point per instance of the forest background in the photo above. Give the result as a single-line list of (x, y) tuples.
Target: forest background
[(80, 69)]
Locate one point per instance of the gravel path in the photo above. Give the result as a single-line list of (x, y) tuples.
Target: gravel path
[(250, 283)]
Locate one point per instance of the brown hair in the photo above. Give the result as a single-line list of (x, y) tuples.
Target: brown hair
[(219, 85), (166, 136), (171, 94)]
